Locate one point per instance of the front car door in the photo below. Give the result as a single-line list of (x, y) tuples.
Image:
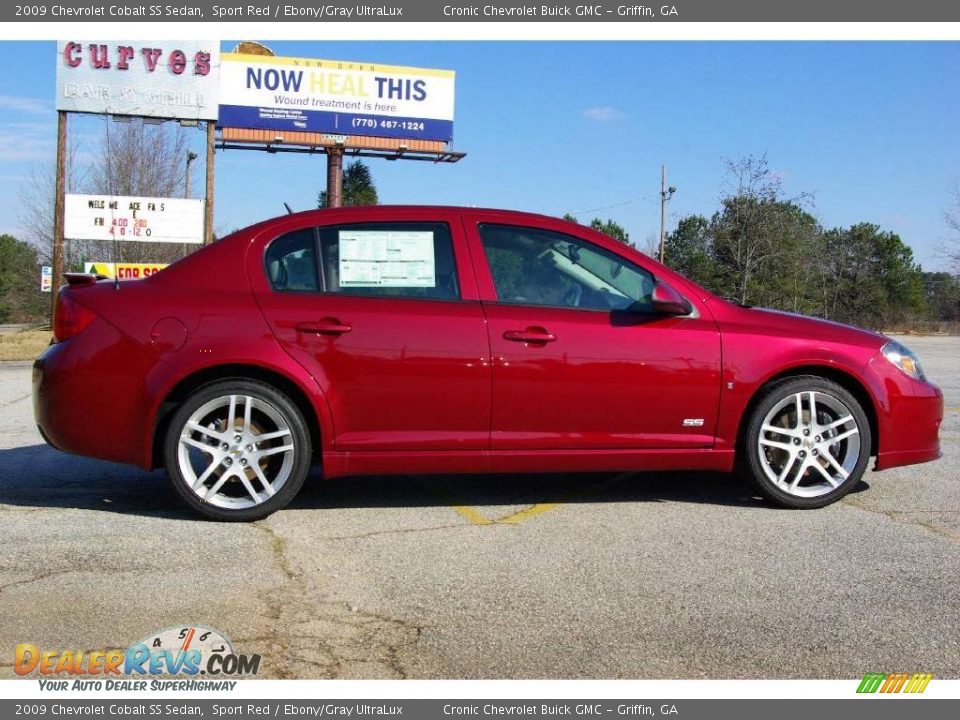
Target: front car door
[(381, 307), (580, 362)]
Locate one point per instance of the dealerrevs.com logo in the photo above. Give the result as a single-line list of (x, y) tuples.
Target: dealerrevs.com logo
[(180, 652)]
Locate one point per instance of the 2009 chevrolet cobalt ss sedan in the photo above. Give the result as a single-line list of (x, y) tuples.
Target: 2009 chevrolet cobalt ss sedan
[(443, 340)]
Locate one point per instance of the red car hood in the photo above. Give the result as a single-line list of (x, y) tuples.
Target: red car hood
[(802, 326)]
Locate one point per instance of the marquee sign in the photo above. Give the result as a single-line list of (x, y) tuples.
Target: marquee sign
[(172, 80), (114, 217)]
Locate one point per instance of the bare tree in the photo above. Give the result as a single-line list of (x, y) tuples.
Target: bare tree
[(952, 217), (140, 159), (651, 245), (130, 158), (756, 225), (36, 200)]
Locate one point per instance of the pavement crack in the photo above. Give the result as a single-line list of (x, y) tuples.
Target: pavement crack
[(310, 637), (279, 547), (35, 578), (944, 532), (399, 531), (19, 399), (902, 517)]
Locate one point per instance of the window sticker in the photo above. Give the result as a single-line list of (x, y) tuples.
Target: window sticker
[(387, 258)]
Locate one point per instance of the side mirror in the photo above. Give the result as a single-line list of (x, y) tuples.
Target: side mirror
[(667, 301)]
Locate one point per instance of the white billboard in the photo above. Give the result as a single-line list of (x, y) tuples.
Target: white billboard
[(334, 96), (115, 217), (175, 80)]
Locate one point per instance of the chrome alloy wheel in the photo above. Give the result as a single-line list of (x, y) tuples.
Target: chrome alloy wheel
[(809, 443), (236, 451)]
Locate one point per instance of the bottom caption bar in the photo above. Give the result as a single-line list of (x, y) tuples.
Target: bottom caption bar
[(875, 709)]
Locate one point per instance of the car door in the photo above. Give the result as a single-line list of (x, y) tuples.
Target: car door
[(579, 359), (384, 313)]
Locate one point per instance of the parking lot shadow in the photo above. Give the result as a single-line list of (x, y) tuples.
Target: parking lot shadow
[(39, 476)]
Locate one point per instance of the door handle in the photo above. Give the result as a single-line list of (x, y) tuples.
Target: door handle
[(326, 326), (533, 335)]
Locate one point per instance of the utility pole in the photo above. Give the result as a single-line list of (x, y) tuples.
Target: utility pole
[(335, 176), (191, 156), (58, 211), (666, 193), (208, 190)]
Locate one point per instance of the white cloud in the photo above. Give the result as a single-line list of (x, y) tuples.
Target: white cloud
[(604, 114), (18, 144), (29, 105)]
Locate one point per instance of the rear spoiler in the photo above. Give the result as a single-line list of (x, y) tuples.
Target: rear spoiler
[(81, 279)]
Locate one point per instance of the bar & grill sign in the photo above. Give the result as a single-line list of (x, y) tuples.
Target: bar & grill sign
[(173, 80)]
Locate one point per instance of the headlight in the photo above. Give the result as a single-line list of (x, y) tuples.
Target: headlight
[(904, 359)]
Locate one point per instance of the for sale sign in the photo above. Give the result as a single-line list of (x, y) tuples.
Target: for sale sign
[(122, 270), (116, 217)]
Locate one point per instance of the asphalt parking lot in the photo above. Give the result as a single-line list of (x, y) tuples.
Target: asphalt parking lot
[(632, 575)]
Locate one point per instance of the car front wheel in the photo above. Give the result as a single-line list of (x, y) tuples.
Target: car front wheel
[(807, 442), (237, 450)]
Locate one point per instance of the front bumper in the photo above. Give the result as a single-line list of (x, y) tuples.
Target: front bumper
[(909, 414)]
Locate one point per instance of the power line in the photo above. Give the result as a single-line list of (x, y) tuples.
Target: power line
[(616, 205)]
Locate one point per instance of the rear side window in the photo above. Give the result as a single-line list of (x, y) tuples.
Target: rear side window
[(386, 259), (291, 262)]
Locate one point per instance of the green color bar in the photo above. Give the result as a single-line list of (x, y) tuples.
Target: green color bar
[(871, 682)]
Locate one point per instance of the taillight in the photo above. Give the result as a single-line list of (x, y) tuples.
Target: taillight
[(71, 317)]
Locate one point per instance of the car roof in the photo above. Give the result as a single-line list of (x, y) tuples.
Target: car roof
[(374, 210)]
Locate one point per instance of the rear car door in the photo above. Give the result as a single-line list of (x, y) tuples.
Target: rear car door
[(579, 360), (383, 311)]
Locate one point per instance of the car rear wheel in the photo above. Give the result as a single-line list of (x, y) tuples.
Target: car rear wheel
[(807, 442), (237, 450)]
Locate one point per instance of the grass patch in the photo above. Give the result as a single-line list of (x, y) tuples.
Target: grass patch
[(925, 327), (23, 345)]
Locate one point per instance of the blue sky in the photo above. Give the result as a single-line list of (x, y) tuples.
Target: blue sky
[(871, 129)]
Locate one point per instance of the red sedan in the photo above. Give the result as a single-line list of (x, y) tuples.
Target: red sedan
[(447, 340)]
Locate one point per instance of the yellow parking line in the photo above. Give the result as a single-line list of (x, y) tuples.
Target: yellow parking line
[(956, 409), (477, 518), (519, 517), (472, 515)]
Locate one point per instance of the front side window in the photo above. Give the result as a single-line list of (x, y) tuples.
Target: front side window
[(531, 266), (383, 259)]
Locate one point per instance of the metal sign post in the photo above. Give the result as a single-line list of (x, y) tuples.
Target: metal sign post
[(334, 177)]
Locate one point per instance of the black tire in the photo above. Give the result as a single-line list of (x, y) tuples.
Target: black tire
[(267, 399), (758, 469)]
